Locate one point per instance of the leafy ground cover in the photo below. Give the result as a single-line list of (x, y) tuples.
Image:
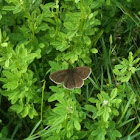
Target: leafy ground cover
[(39, 37)]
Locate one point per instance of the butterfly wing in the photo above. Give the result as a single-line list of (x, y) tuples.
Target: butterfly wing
[(69, 82), (79, 82), (73, 81), (59, 76), (71, 78), (82, 72)]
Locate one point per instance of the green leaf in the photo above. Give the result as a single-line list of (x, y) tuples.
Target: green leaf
[(119, 66), (14, 37), (60, 110), (42, 27), (90, 108), (113, 93), (130, 57), (87, 40), (77, 125), (59, 128), (30, 58), (94, 50), (35, 127), (116, 101), (115, 112), (116, 133), (58, 45), (100, 112), (70, 125), (17, 9), (41, 45), (78, 51), (76, 1), (7, 63), (95, 132), (106, 114), (52, 31), (55, 66), (59, 120), (69, 134), (9, 8), (4, 132), (5, 44), (87, 60), (117, 72), (108, 2), (32, 112), (71, 35), (92, 100), (110, 39), (10, 75), (13, 96), (125, 78), (132, 69), (100, 97), (17, 108), (105, 95), (136, 61), (56, 96), (11, 85), (53, 138), (74, 57), (101, 136), (92, 15), (25, 111), (123, 70), (71, 56)]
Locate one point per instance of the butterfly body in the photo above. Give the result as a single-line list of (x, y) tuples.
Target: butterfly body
[(71, 78)]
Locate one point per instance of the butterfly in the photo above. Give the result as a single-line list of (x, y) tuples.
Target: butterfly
[(71, 78)]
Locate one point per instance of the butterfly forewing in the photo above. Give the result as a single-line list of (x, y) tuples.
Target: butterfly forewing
[(83, 72), (59, 76)]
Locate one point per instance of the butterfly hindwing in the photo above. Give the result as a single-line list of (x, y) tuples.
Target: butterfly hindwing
[(73, 81), (69, 82), (79, 82)]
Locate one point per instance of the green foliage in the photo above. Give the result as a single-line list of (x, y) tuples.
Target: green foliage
[(39, 37), (126, 68), (105, 105), (66, 116), (17, 79)]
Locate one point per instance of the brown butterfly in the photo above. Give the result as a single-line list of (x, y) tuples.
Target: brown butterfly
[(71, 78)]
